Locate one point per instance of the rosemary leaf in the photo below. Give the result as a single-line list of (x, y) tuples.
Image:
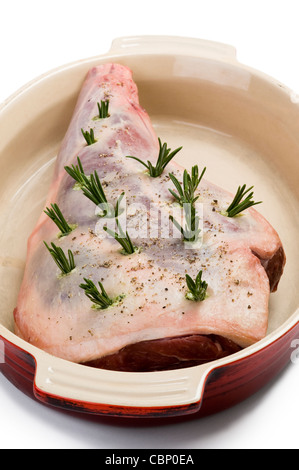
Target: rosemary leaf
[(186, 191), (103, 108), (66, 265), (91, 187), (123, 239), (100, 299), (164, 157), (56, 215), (89, 136), (191, 231), (239, 204), (93, 190), (76, 172), (197, 289)]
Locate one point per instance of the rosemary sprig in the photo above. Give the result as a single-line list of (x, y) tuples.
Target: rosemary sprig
[(66, 265), (103, 108), (186, 191), (90, 185), (238, 205), (191, 231), (93, 190), (89, 136), (76, 172), (197, 289), (121, 237), (100, 299), (56, 215), (164, 157)]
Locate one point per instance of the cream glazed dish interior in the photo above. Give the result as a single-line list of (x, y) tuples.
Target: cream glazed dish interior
[(238, 122)]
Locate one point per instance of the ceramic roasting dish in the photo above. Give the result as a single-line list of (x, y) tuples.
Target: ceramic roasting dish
[(240, 123)]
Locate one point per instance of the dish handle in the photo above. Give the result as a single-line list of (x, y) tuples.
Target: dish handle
[(76, 387), (102, 392), (172, 45)]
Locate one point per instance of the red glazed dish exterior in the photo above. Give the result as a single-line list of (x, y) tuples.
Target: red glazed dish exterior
[(224, 387)]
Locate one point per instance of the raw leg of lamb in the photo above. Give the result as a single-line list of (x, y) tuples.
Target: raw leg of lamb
[(151, 324)]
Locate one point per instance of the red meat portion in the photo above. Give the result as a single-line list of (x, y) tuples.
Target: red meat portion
[(167, 353)]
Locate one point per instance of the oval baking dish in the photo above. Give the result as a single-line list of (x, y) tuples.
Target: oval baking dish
[(244, 125)]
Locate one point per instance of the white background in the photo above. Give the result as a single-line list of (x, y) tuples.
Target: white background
[(37, 36)]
